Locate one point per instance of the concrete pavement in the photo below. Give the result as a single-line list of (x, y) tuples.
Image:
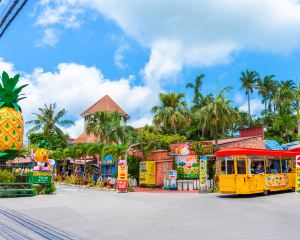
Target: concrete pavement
[(94, 214)]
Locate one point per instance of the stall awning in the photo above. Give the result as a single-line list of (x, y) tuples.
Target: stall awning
[(254, 151)]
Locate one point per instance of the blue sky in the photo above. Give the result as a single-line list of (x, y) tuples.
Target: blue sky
[(75, 51)]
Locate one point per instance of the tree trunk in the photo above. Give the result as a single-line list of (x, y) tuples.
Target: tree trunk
[(249, 110)]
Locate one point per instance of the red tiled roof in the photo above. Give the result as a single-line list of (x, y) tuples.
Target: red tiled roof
[(86, 138), (105, 104)]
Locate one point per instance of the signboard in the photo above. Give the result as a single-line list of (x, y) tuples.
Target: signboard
[(122, 183), (190, 165), (276, 180), (38, 177), (181, 149), (297, 187), (203, 172)]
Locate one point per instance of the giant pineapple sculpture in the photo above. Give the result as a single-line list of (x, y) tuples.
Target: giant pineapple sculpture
[(11, 119)]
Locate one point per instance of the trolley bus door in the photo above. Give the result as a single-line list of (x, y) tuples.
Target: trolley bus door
[(227, 178)]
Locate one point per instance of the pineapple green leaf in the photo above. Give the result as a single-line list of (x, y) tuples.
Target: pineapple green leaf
[(1, 104), (9, 92), (17, 107)]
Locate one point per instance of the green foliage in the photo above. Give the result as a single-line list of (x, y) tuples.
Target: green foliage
[(7, 176), (133, 166), (110, 128), (39, 188), (10, 94), (51, 188), (172, 115), (49, 122), (154, 140), (54, 140)]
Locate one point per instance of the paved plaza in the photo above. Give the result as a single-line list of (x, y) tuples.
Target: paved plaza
[(94, 214)]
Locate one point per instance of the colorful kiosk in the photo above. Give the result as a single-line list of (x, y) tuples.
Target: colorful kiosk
[(250, 171)]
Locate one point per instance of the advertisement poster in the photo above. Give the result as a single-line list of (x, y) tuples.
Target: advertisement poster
[(297, 188), (203, 172), (190, 165)]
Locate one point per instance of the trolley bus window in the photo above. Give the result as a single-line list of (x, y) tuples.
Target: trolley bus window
[(287, 165), (241, 166), (229, 166), (256, 165), (273, 166)]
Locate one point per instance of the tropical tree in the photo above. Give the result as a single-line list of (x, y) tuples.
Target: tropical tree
[(297, 106), (172, 115), (50, 122), (196, 87), (218, 116), (249, 79), (266, 88), (115, 151), (95, 150), (109, 127)]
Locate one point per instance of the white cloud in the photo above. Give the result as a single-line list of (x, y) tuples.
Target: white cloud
[(75, 87), (255, 106), (119, 56), (204, 33), (141, 122), (63, 12), (76, 129), (189, 33), (50, 38)]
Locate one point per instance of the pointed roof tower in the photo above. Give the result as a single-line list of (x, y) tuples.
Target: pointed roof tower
[(105, 104)]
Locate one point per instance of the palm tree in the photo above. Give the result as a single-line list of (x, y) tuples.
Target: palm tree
[(285, 96), (95, 150), (297, 106), (266, 87), (196, 86), (109, 127), (115, 151), (48, 121), (218, 116), (72, 152), (248, 79), (172, 115)]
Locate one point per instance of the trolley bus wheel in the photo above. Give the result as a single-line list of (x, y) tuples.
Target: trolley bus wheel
[(266, 192), (292, 189)]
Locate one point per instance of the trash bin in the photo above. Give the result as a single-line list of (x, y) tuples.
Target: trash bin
[(184, 185), (179, 185), (190, 185)]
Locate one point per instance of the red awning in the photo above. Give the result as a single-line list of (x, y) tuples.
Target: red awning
[(254, 151)]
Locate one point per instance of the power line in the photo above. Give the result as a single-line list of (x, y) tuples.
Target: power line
[(11, 14)]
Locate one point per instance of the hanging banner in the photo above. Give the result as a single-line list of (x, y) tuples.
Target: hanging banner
[(122, 184), (297, 187), (203, 172)]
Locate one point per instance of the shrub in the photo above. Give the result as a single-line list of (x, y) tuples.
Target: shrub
[(39, 188), (51, 188), (7, 176)]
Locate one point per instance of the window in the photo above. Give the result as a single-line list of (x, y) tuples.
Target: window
[(287, 165), (256, 165), (228, 167), (273, 166), (241, 166)]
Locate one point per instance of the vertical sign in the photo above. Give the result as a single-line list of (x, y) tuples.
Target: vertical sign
[(203, 172), (297, 188), (122, 183)]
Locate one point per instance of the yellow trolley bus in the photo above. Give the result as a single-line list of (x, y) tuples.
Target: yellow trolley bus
[(249, 171)]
